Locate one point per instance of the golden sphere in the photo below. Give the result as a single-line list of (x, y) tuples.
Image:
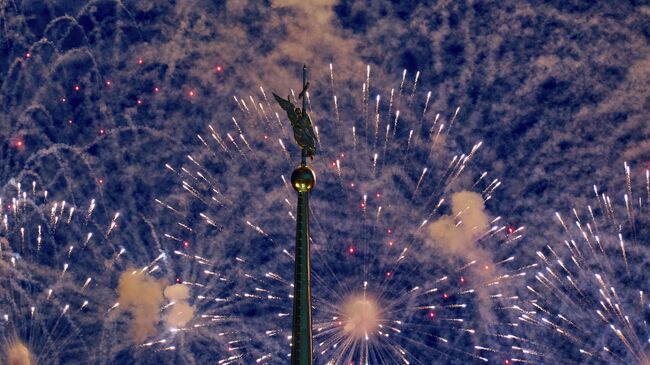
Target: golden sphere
[(303, 179)]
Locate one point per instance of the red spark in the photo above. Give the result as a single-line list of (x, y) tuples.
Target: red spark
[(351, 185), (378, 195), (102, 131), (139, 61), (511, 230), (77, 88), (462, 280), (266, 137), (351, 250), (28, 55), (156, 89), (139, 101), (100, 181), (9, 206), (334, 164), (63, 99), (178, 280), (388, 273), (17, 142), (69, 121), (186, 244), (486, 267), (191, 93), (390, 243), (445, 296), (390, 231), (363, 206), (432, 315), (218, 68), (108, 82)]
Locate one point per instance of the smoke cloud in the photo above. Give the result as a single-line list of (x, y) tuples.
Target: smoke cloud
[(457, 233), (142, 297), (181, 312), (456, 236), (18, 354)]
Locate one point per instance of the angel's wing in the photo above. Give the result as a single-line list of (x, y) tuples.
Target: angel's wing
[(287, 106)]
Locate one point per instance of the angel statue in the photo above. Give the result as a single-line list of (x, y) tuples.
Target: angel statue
[(303, 129)]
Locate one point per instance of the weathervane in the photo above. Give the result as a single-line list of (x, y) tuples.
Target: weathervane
[(303, 180)]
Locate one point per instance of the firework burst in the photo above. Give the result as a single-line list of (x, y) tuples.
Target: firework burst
[(407, 264), (589, 293), (75, 293), (48, 298), (68, 134)]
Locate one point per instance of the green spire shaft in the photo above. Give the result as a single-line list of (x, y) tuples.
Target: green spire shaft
[(301, 339)]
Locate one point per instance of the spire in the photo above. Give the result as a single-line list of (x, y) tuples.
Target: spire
[(303, 180)]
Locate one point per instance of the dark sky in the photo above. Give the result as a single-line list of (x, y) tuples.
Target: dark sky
[(104, 100)]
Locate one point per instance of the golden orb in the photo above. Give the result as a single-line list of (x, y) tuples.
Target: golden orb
[(303, 179)]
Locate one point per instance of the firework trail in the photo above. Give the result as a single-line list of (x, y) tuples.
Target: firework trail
[(47, 295), (408, 266), (67, 135), (587, 302), (70, 102), (88, 112), (73, 291)]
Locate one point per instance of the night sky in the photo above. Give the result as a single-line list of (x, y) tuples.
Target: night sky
[(162, 112)]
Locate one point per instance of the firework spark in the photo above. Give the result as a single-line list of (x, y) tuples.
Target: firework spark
[(589, 292), (68, 135), (48, 295)]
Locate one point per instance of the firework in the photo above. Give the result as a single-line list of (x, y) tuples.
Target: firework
[(75, 293), (408, 266), (588, 297), (47, 297), (70, 134)]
